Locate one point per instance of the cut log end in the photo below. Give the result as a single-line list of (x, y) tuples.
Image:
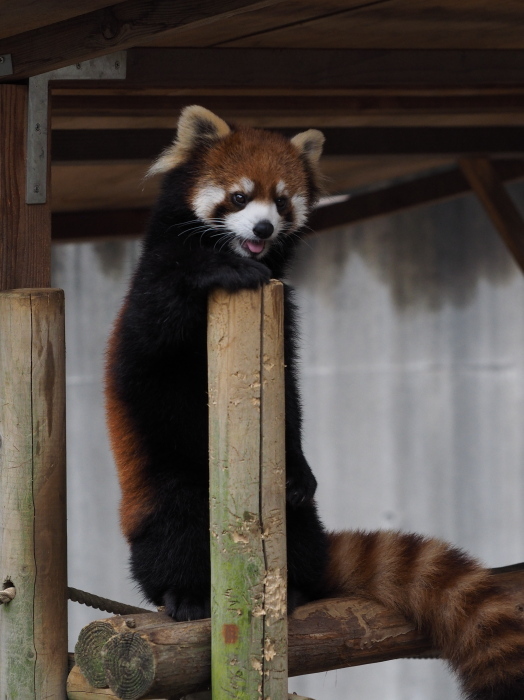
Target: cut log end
[(129, 665), (88, 652)]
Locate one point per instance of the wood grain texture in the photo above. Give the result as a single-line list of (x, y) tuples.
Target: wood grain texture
[(145, 144), (109, 29), (487, 185), (247, 483), (94, 636), (78, 688), (367, 24), (107, 109), (310, 68), (25, 229), (33, 652), (25, 15), (394, 24), (323, 635)]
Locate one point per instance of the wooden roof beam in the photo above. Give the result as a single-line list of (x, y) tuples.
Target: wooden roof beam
[(146, 144), (322, 68), (88, 225), (111, 29), (124, 25), (488, 186)]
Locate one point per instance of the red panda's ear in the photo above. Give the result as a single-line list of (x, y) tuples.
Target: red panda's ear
[(197, 126), (309, 143)]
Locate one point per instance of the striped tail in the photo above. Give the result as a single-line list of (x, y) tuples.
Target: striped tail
[(447, 594)]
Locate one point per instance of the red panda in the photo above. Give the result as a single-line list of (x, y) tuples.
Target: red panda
[(234, 203)]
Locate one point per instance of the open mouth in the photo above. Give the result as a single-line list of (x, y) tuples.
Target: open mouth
[(253, 247)]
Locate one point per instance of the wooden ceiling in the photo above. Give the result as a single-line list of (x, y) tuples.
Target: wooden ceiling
[(399, 87)]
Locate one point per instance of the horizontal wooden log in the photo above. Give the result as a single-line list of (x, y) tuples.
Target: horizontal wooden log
[(174, 659), (93, 637), (162, 658)]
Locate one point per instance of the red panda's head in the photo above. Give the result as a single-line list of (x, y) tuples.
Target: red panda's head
[(251, 185)]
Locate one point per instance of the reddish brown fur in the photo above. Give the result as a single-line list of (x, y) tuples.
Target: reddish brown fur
[(254, 153), (127, 451), (447, 594)]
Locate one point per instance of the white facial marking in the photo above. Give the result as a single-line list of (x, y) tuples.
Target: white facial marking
[(206, 199), (281, 188), (246, 186), (241, 223), (300, 208)]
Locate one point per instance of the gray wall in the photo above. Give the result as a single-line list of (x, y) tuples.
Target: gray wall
[(413, 387)]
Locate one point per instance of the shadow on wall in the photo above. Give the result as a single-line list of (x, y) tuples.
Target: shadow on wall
[(428, 257)]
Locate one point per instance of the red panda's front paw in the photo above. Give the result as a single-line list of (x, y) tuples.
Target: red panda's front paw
[(245, 274), (186, 607)]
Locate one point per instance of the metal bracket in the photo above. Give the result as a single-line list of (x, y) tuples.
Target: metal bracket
[(6, 64), (102, 68)]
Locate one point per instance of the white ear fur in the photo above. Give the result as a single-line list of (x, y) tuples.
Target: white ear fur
[(196, 126), (309, 143)]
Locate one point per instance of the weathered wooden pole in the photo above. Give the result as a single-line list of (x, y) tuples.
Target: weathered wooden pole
[(247, 494), (33, 626)]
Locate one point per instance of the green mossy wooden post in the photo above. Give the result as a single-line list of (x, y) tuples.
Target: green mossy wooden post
[(247, 494), (33, 626)]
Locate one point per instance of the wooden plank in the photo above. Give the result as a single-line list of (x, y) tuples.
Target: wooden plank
[(247, 487), (290, 12), (25, 230), (436, 24), (487, 185), (392, 24), (110, 29), (76, 109), (145, 144), (310, 68), (25, 15), (81, 186), (33, 627)]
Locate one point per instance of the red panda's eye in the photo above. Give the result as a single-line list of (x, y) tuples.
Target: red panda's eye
[(281, 202), (239, 198)]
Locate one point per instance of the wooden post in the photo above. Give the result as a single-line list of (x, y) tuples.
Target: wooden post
[(247, 494), (25, 229), (33, 626)]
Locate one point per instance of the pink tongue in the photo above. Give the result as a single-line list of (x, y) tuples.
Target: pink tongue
[(254, 246)]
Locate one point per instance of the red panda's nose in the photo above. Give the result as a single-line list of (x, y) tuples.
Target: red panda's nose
[(263, 229)]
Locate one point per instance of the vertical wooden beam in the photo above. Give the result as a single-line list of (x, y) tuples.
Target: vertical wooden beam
[(488, 187), (25, 229), (247, 494), (33, 627)]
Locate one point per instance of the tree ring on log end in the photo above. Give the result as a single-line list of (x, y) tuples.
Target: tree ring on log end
[(88, 652), (129, 665)]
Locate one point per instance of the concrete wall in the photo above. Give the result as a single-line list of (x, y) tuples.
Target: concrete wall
[(413, 387)]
